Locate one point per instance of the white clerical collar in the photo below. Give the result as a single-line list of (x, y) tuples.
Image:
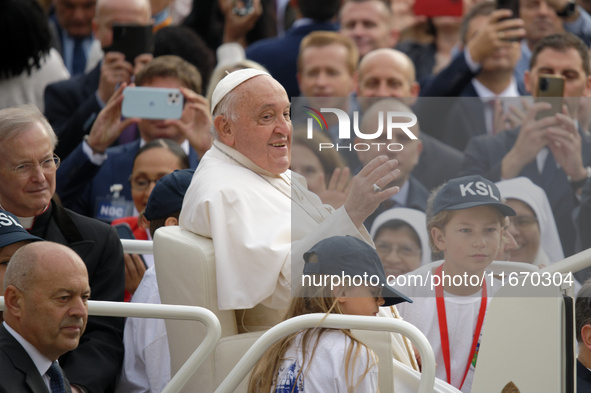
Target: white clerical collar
[(184, 145), (27, 222), (242, 159), (42, 362), (485, 94)]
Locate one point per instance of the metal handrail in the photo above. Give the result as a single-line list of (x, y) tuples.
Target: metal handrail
[(166, 311), (132, 246), (334, 321), (574, 263)]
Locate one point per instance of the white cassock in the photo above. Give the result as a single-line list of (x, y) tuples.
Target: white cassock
[(257, 222)]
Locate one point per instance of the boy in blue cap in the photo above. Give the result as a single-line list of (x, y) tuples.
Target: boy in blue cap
[(465, 218)]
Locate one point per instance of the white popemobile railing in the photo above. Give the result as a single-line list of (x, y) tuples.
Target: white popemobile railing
[(166, 311), (137, 246), (574, 263), (231, 382), (239, 372)]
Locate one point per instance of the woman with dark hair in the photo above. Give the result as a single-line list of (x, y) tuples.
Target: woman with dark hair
[(28, 63), (153, 161)]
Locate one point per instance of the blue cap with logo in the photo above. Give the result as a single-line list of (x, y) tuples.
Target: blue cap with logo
[(347, 255), (168, 193), (11, 231), (469, 191)]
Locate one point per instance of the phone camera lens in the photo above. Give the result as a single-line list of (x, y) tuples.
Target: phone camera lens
[(543, 84)]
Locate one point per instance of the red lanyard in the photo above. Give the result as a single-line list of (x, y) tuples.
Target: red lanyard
[(443, 327)]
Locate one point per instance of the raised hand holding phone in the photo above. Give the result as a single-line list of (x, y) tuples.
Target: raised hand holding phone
[(152, 103)]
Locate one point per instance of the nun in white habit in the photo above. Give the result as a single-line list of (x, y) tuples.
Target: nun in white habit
[(527, 232), (416, 219)]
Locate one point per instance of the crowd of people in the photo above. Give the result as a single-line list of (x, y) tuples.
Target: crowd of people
[(315, 138)]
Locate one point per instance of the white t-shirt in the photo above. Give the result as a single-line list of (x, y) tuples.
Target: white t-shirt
[(325, 371), (146, 364), (462, 316)]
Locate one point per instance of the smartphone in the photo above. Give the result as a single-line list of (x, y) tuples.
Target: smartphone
[(124, 231), (242, 7), (512, 5), (438, 7), (152, 103), (132, 40), (550, 89)]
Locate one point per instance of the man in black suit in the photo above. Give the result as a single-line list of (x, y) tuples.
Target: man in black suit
[(70, 25), (45, 292), (27, 184), (481, 76), (72, 105), (388, 72), (552, 151), (583, 328)]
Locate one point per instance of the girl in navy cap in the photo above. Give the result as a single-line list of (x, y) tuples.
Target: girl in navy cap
[(321, 359)]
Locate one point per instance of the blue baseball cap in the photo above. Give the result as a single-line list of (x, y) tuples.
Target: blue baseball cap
[(348, 255), (11, 231), (469, 191), (168, 193)]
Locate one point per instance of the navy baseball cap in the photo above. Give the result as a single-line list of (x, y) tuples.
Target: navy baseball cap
[(347, 255), (11, 231), (168, 193), (469, 191)]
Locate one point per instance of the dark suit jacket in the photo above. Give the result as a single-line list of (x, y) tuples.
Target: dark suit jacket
[(17, 371), (438, 162), (97, 361), (484, 154), (71, 107), (279, 55), (453, 121), (416, 199), (583, 379), (583, 224), (80, 183)]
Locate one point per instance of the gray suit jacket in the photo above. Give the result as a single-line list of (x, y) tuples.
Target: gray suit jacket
[(17, 371)]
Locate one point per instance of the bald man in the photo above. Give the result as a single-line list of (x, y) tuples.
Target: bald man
[(71, 106), (390, 73), (387, 73), (45, 292)]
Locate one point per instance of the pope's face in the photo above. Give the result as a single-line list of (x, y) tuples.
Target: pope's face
[(261, 128)]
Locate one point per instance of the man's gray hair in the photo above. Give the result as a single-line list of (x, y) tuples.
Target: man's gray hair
[(14, 121), (583, 308)]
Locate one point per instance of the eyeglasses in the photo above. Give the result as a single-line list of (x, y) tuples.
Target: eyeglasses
[(522, 222), (402, 250), (49, 165), (141, 183)]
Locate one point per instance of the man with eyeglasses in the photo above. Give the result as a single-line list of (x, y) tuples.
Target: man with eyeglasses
[(27, 184)]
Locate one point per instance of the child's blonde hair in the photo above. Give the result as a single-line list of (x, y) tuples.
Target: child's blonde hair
[(314, 299)]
